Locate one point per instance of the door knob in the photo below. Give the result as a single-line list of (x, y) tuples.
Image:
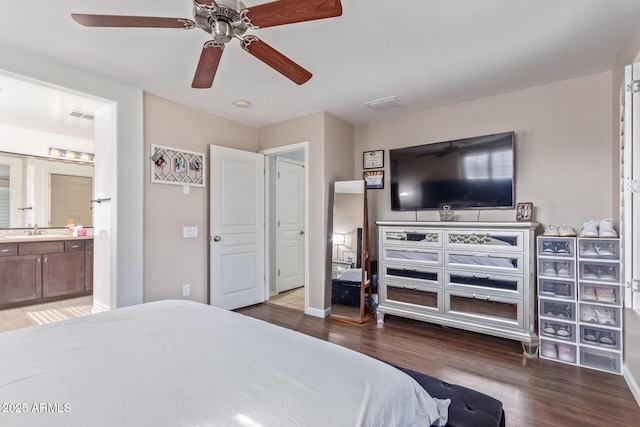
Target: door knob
[(217, 238), (301, 231)]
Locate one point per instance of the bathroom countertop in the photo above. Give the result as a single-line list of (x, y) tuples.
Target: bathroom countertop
[(23, 238)]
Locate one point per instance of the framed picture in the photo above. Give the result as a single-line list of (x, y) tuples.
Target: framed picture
[(349, 256), (524, 211), (373, 159), (374, 179)]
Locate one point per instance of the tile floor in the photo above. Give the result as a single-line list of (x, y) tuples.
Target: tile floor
[(39, 314), (292, 299)]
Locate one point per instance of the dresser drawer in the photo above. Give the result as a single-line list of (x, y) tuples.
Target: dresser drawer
[(8, 249), (486, 262), (418, 256), (504, 241), (412, 274), (493, 284), (485, 309), (409, 237), (423, 299)]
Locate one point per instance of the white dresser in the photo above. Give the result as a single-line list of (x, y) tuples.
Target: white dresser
[(477, 276)]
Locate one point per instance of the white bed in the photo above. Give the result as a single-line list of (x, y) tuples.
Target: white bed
[(178, 363)]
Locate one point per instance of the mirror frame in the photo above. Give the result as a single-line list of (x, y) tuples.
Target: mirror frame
[(366, 314)]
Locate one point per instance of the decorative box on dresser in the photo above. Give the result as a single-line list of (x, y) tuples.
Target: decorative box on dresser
[(477, 276)]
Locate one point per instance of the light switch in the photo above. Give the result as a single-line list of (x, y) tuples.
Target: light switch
[(189, 232), (186, 189)]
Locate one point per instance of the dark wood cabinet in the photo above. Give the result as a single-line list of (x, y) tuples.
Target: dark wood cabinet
[(37, 271), (62, 273), (20, 279), (88, 265)]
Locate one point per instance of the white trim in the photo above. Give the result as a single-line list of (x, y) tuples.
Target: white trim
[(272, 152), (631, 382), (316, 312)]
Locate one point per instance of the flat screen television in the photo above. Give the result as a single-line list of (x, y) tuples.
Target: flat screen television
[(469, 173)]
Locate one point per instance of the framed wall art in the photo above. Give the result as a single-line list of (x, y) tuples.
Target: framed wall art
[(374, 179), (524, 211), (373, 159), (177, 166)]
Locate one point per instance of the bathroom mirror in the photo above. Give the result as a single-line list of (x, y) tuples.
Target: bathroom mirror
[(38, 190), (351, 291)]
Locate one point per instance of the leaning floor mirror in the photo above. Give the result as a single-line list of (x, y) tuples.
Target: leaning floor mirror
[(351, 291)]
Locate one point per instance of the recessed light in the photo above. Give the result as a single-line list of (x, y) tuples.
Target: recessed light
[(241, 103)]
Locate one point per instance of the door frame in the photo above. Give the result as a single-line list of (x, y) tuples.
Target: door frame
[(269, 255)]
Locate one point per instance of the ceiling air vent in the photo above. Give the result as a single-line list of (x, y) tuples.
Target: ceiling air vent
[(385, 104), (81, 115)]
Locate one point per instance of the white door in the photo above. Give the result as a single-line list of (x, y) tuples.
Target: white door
[(289, 224), (630, 185), (237, 228)]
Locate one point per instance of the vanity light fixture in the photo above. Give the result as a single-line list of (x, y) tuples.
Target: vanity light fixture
[(70, 155), (339, 239)]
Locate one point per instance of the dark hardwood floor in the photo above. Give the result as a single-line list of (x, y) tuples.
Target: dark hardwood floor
[(534, 392)]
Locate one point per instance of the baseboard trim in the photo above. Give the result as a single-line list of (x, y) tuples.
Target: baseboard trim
[(317, 313), (631, 382), (98, 307)]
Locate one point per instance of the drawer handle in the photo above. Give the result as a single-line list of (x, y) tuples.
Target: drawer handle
[(409, 269), (412, 288), (477, 276), (5, 250), (486, 298), (75, 246)]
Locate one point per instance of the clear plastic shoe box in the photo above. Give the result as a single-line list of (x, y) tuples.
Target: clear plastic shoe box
[(600, 293), (557, 310), (556, 268), (601, 360), (608, 339), (599, 271), (599, 315), (557, 247), (599, 249), (556, 330), (553, 288), (558, 351)]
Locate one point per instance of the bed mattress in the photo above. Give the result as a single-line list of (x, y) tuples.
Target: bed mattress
[(178, 363)]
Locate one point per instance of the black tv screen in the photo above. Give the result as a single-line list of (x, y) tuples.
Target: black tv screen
[(470, 173)]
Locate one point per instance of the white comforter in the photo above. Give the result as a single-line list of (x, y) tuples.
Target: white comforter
[(177, 363)]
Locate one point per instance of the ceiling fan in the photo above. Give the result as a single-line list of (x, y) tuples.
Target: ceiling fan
[(228, 19)]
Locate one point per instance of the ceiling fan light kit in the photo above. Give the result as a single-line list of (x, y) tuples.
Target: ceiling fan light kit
[(225, 20)]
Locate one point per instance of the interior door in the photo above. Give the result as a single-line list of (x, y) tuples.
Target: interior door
[(290, 224), (237, 245)]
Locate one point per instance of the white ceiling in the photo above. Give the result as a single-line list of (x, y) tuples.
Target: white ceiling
[(429, 53)]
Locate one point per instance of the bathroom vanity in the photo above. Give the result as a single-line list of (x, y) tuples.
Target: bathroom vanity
[(35, 269)]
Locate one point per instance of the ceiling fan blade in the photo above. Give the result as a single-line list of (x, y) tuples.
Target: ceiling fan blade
[(208, 65), (290, 11), (131, 21), (275, 60)]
